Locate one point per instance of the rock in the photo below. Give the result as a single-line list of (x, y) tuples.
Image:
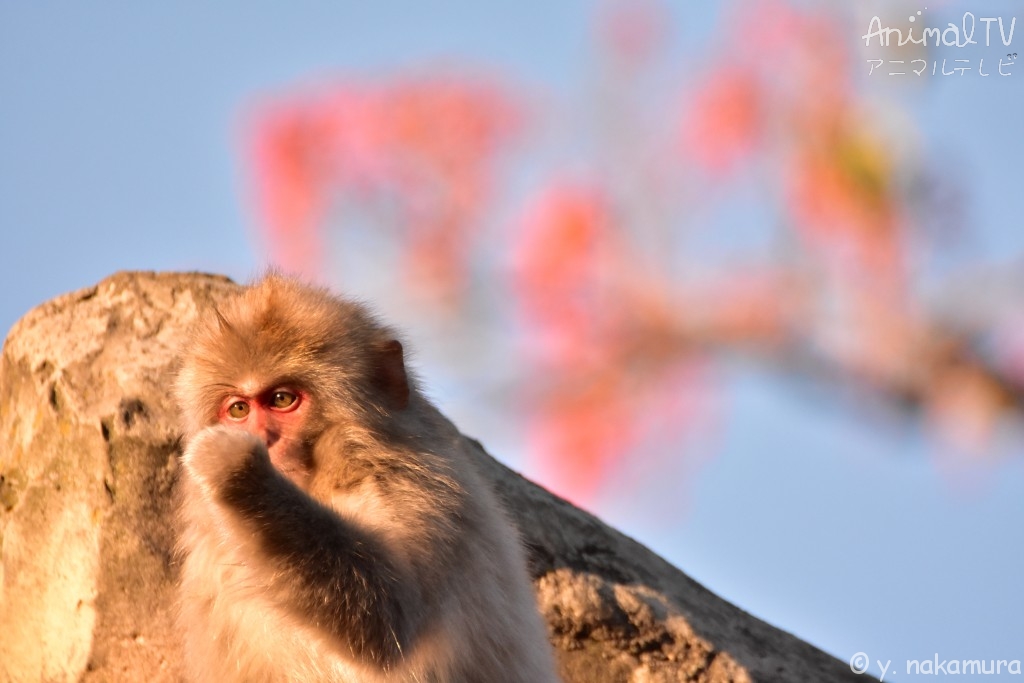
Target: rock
[(88, 457)]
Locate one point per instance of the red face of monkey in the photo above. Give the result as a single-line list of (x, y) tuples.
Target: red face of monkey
[(277, 416)]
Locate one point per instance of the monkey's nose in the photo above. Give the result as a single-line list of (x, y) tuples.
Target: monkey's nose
[(258, 428)]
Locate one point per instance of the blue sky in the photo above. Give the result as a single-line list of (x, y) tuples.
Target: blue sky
[(118, 150)]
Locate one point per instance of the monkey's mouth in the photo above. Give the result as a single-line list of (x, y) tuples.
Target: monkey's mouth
[(294, 469)]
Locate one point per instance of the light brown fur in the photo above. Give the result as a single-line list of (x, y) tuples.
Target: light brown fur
[(377, 553)]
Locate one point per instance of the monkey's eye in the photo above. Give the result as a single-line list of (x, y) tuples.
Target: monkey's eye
[(283, 399), (238, 410)]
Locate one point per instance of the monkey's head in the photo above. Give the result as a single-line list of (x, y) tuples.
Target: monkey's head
[(283, 359)]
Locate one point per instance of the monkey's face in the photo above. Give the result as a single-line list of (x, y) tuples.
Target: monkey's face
[(279, 415), (285, 362)]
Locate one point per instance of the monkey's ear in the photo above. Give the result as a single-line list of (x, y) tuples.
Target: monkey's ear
[(390, 376)]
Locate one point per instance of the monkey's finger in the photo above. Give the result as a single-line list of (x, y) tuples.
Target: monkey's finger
[(215, 453)]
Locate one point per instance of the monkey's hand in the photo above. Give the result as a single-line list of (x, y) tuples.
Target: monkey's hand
[(216, 453), (324, 570)]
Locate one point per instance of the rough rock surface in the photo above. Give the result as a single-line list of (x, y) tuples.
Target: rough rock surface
[(88, 457)]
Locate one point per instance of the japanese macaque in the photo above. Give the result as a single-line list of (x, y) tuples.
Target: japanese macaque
[(332, 523)]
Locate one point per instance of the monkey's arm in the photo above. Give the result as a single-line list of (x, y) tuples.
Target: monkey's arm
[(319, 567)]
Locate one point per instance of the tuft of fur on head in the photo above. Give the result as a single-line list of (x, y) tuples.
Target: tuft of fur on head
[(307, 336)]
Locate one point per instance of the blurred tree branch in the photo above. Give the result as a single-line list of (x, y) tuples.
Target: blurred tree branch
[(622, 303)]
